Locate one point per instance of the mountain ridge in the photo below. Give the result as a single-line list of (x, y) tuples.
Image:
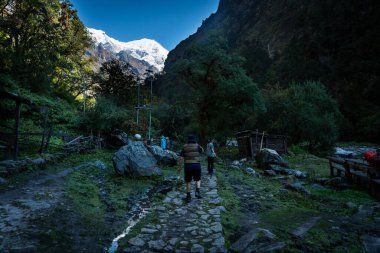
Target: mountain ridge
[(143, 55)]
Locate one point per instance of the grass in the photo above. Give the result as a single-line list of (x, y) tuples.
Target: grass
[(356, 144), (315, 166), (282, 211), (83, 190)]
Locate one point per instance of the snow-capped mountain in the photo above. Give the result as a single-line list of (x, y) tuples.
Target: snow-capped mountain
[(141, 54)]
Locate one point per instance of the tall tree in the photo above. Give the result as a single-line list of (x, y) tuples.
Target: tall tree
[(41, 38), (211, 88), (116, 80)]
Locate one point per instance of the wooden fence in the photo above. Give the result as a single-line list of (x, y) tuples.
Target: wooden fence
[(8, 140), (357, 172), (249, 142)]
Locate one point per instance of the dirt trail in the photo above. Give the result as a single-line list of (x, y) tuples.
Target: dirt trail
[(36, 199)]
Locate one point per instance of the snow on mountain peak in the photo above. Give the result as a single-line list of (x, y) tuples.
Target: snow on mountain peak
[(144, 49)]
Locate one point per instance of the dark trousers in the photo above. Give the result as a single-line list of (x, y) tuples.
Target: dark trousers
[(210, 164)]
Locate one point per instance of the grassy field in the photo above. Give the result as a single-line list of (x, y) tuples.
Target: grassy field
[(272, 207)]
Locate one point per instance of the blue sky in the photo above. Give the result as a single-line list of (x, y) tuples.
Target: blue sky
[(166, 21)]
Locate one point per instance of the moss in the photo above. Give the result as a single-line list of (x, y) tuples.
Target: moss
[(83, 190), (315, 166), (121, 189), (326, 236), (341, 197), (287, 218)]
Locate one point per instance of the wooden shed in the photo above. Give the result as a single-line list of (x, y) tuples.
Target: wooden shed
[(249, 142)]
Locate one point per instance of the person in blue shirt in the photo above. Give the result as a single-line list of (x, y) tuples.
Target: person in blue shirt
[(163, 142)]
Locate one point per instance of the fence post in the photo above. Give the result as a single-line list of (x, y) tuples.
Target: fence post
[(48, 138), (17, 130)]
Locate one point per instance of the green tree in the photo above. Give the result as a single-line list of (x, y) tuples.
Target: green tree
[(105, 117), (116, 80), (211, 91), (306, 112), (41, 38)]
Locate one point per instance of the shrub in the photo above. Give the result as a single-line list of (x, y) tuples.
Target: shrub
[(306, 112)]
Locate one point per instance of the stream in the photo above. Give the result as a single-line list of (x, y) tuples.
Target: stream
[(139, 211)]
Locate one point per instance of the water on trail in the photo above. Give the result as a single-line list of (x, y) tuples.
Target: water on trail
[(138, 212)]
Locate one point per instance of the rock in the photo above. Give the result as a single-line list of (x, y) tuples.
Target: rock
[(134, 159), (188, 229), (205, 217), (118, 139), (219, 242), (157, 245), (197, 248), (237, 164), (177, 201), (132, 249), (38, 162), (317, 186), (351, 205), (268, 156), (217, 250), (215, 201), (217, 228), (296, 187), (250, 171), (270, 173), (173, 241), (100, 165), (231, 143), (149, 230), (23, 249), (243, 242), (305, 227), (371, 244), (2, 181), (363, 212), (184, 243), (281, 170), (266, 233), (266, 247), (136, 241), (234, 167), (164, 157)]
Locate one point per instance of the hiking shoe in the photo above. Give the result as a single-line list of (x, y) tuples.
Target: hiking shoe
[(187, 198), (198, 194)]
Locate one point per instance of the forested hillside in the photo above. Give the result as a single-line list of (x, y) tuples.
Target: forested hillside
[(335, 43), (43, 59)]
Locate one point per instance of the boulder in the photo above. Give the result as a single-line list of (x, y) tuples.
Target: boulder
[(237, 164), (134, 159), (297, 187), (163, 157), (270, 173), (118, 139), (251, 172), (281, 170), (267, 157), (38, 163), (2, 181)]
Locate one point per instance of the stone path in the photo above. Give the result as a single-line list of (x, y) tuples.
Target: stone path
[(184, 227)]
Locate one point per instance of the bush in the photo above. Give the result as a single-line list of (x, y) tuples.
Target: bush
[(106, 117), (305, 112)]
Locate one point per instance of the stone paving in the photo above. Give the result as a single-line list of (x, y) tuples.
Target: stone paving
[(184, 227)]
